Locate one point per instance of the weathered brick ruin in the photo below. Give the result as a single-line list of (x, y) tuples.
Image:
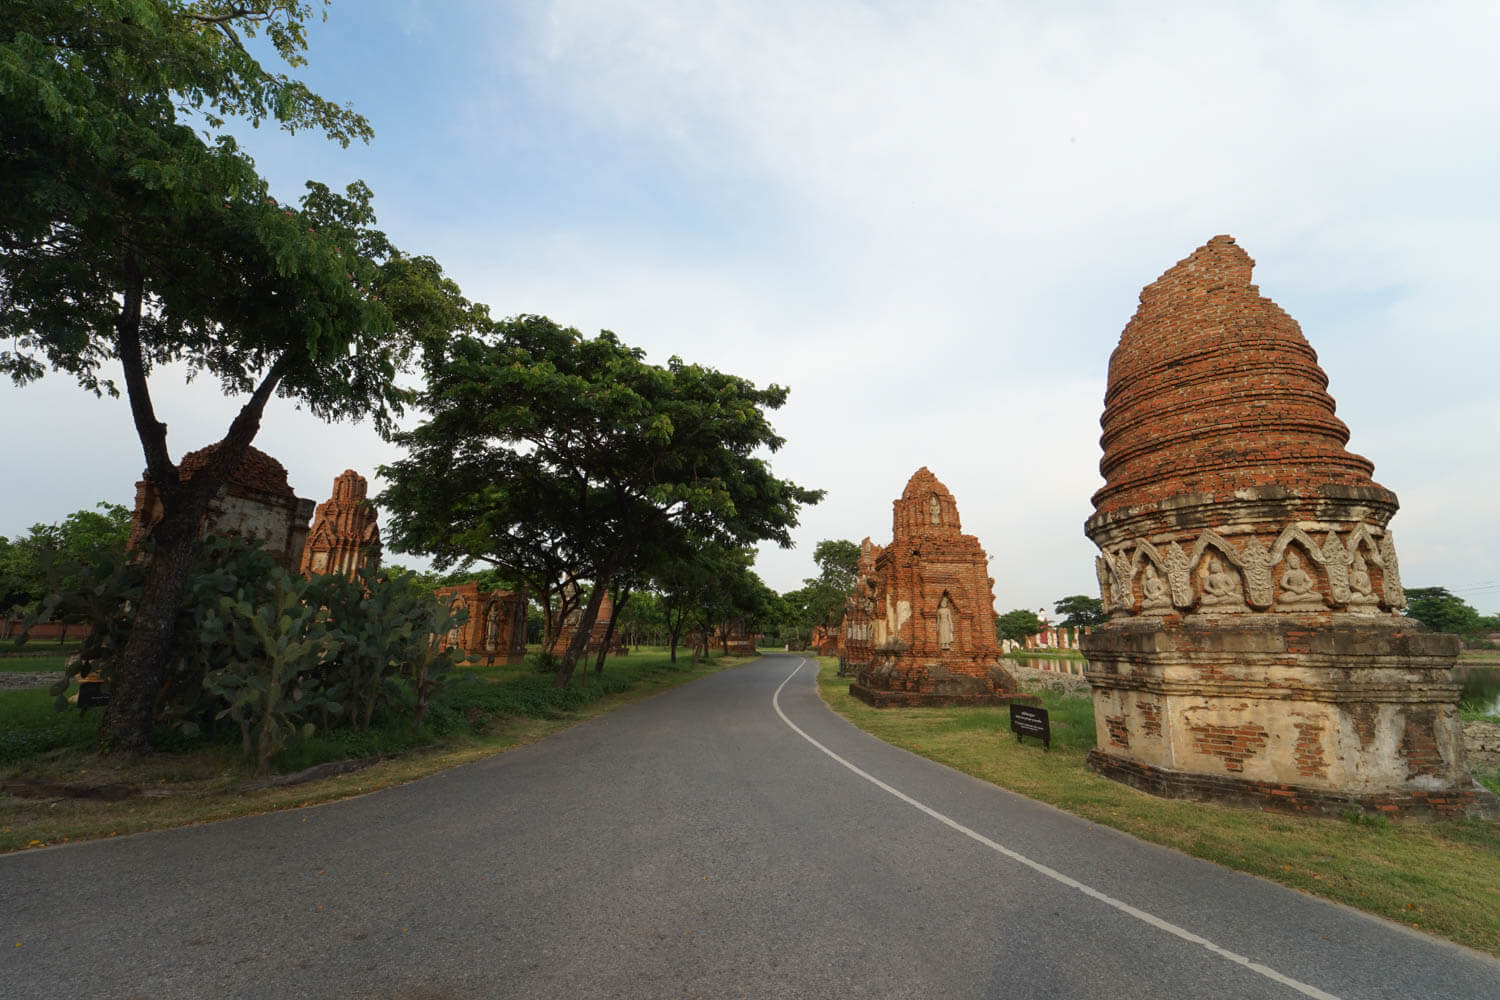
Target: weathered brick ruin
[(736, 639), (1254, 652), (256, 502), (856, 636), (496, 629), (596, 634), (344, 536), (932, 612)]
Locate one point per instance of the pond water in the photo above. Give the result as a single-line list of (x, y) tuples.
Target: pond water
[(1060, 666), (1481, 687)]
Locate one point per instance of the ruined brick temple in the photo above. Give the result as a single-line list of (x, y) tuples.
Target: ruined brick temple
[(857, 633), (596, 634), (1254, 651), (256, 502), (496, 628), (344, 536), (929, 602)]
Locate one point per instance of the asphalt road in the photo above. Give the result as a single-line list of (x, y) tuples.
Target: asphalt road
[(721, 840)]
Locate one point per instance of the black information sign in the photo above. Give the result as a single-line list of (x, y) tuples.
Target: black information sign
[(91, 693), (1028, 720)]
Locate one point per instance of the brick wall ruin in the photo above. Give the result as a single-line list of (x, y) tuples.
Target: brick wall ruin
[(256, 502)]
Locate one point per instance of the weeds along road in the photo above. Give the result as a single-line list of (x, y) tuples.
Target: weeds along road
[(730, 838)]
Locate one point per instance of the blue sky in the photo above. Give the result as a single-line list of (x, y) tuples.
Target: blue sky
[(931, 221)]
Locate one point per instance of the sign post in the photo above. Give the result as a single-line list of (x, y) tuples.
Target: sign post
[(1029, 720)]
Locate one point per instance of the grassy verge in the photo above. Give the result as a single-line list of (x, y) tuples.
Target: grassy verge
[(32, 664), (482, 711), (1443, 878), (1044, 654)]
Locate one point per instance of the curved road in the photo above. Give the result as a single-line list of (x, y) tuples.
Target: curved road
[(730, 838)]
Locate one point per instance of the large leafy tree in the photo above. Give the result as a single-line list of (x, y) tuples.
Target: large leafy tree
[(83, 538), (129, 239), (826, 594), (1017, 625), (546, 452), (1442, 611), (1080, 609)]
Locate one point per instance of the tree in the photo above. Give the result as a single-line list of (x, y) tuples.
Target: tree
[(1442, 611), (80, 539), (549, 455), (826, 594), (1080, 610), (1017, 625), (128, 237)]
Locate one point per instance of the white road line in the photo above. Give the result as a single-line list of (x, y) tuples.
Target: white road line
[(1052, 873)]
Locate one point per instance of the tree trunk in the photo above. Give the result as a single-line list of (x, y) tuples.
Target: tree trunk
[(142, 670), (609, 632), (580, 639)]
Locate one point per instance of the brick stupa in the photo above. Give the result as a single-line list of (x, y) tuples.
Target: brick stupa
[(344, 536), (931, 611), (1255, 652), (256, 502)]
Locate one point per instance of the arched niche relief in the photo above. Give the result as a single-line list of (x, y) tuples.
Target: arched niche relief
[(455, 634), (1299, 575), (1151, 589), (1367, 570), (1102, 564), (492, 627), (1216, 575), (934, 509), (947, 622)]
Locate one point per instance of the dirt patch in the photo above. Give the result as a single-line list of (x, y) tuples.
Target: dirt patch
[(28, 679)]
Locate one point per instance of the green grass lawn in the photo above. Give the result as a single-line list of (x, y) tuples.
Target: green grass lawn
[(481, 711), (32, 664), (1443, 878)]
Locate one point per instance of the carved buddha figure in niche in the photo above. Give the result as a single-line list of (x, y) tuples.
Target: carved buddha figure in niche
[(1153, 588), (935, 510), (1359, 577), (945, 623), (492, 628), (456, 632), (1297, 585), (1221, 586)]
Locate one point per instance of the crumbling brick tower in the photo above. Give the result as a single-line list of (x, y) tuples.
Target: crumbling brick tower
[(933, 620), (255, 503), (1254, 651), (857, 632), (344, 535)]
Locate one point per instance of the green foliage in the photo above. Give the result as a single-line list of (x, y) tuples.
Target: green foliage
[(82, 537), (1017, 625), (274, 654), (822, 598), (271, 689), (1079, 610), (554, 456), (1442, 611)]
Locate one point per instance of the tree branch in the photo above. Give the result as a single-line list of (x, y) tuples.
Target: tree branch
[(151, 431)]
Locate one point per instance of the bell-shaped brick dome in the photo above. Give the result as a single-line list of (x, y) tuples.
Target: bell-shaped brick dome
[(1213, 389)]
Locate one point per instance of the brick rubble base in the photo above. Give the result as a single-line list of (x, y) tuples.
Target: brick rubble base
[(1475, 801)]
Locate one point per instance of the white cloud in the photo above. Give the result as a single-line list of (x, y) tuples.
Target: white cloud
[(932, 221)]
